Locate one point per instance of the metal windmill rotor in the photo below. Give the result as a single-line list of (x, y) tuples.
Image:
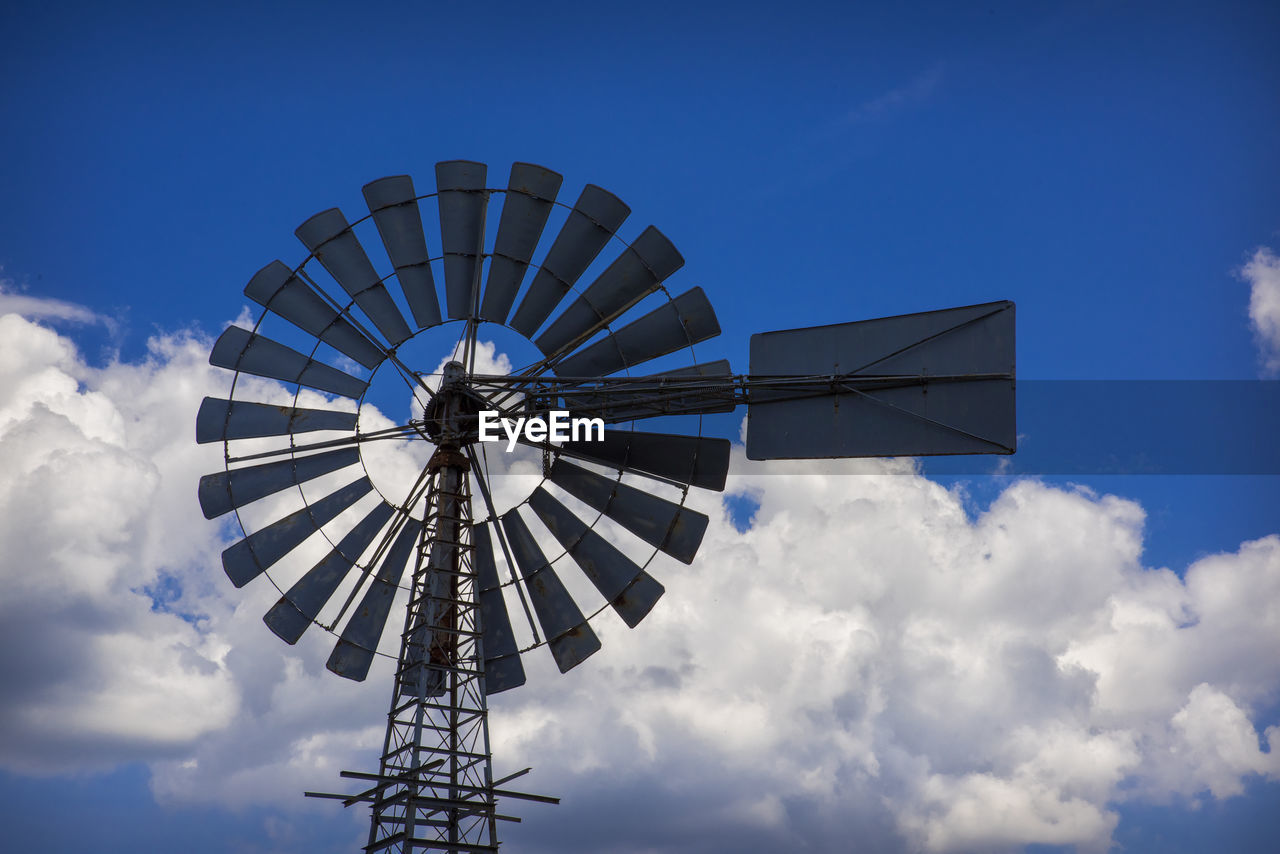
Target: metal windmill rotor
[(300, 475)]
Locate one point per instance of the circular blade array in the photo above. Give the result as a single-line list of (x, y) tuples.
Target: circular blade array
[(365, 542)]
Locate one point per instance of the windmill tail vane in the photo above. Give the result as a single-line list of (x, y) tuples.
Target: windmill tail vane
[(599, 317)]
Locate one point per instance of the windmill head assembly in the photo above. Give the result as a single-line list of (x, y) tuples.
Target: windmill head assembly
[(361, 521)]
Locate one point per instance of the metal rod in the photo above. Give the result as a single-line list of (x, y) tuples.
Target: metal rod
[(349, 441), (502, 541), (345, 311)]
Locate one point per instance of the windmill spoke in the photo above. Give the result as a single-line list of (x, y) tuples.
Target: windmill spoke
[(403, 431), (522, 378), (388, 352), (482, 481), (398, 522), (412, 378)]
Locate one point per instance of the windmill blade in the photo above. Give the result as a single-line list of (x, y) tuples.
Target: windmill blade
[(462, 198), (478, 466), (687, 319), (394, 205), (531, 192), (502, 667), (969, 409), (220, 419), (700, 461), (224, 491), (354, 652), (277, 289), (595, 217), (241, 350), (663, 524), (298, 607), (629, 589), (247, 559), (569, 635), (635, 274), (330, 239)]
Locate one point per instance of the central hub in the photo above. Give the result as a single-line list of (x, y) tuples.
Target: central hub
[(451, 415)]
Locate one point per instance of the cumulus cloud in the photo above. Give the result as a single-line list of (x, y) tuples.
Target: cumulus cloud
[(866, 662), (102, 666), (1263, 275)]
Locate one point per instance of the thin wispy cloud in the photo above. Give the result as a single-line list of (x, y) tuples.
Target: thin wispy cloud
[(915, 91), (14, 301), (827, 145), (43, 308), (1263, 275)]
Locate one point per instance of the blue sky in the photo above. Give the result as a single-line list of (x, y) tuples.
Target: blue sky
[(1109, 167)]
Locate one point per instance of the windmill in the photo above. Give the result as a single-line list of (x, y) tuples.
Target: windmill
[(611, 347)]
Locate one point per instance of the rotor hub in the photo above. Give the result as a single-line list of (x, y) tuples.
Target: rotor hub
[(450, 419)]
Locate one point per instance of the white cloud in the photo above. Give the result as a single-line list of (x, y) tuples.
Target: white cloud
[(865, 661), (868, 657), (96, 673), (867, 648), (1263, 275), (1217, 745)]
